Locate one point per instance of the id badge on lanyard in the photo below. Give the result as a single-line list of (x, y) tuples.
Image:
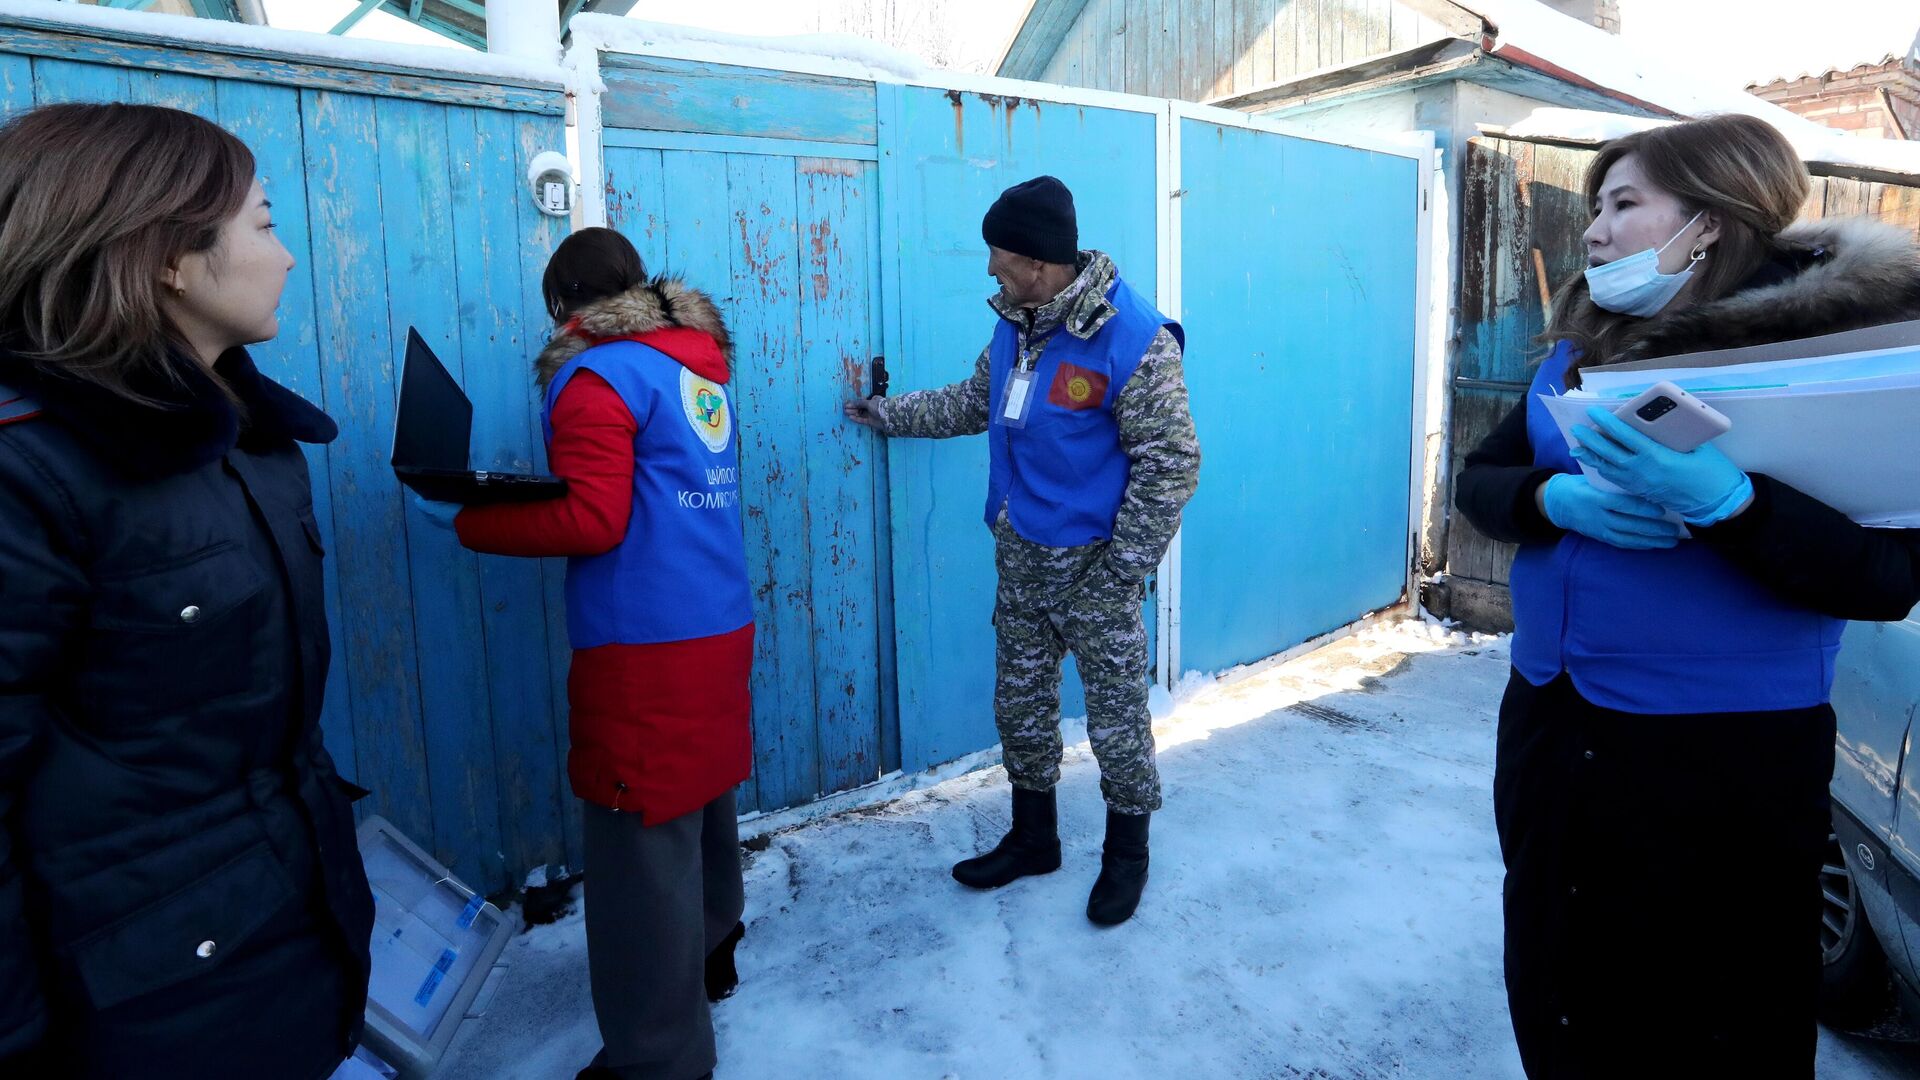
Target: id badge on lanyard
[(1016, 401)]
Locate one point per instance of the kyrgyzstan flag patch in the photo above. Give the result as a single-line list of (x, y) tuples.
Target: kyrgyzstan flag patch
[(1075, 387)]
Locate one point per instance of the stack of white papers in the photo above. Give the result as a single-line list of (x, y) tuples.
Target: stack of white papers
[(1836, 417)]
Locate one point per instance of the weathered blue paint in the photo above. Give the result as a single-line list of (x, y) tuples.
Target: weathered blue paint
[(189, 93), (267, 119), (764, 319), (498, 337), (370, 552), (56, 81), (416, 229), (29, 36), (646, 93), (1298, 290), (786, 243), (736, 144), (16, 85), (946, 156), (836, 204)]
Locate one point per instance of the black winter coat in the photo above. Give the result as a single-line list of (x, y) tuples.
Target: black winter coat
[(180, 889)]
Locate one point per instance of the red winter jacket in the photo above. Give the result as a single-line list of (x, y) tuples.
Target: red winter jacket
[(662, 729)]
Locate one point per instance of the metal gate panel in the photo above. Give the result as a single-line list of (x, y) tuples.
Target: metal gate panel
[(1299, 286)]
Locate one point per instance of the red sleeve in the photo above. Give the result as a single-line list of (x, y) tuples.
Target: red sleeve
[(593, 433)]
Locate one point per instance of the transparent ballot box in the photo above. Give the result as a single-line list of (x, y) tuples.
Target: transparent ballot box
[(436, 945)]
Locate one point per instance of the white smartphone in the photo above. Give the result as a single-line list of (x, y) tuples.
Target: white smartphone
[(1674, 418)]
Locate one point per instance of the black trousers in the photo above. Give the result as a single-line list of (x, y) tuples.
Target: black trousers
[(659, 899), (1662, 894)]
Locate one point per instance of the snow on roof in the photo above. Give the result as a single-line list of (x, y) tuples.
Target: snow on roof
[(290, 44), (1836, 69), (1530, 33), (1813, 142), (841, 55)]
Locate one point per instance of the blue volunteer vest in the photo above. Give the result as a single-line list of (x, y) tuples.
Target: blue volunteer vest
[(1062, 476), (681, 571), (1657, 632)]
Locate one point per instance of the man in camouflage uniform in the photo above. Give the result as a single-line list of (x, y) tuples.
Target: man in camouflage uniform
[(1094, 455)]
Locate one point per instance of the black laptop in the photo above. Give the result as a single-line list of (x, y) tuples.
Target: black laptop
[(431, 436)]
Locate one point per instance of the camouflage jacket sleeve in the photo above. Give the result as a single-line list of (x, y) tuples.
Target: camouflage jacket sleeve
[(1156, 431), (960, 409)]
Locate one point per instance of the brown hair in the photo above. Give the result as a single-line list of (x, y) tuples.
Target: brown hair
[(96, 202), (1738, 167), (590, 265)]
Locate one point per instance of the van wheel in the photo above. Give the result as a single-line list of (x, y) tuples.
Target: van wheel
[(1856, 988)]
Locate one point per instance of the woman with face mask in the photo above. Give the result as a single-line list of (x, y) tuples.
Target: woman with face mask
[(180, 890), (1666, 741)]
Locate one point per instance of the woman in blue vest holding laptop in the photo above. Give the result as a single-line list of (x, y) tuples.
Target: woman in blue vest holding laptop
[(1666, 741), (639, 420)]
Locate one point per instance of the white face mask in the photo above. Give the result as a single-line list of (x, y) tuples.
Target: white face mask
[(1634, 285)]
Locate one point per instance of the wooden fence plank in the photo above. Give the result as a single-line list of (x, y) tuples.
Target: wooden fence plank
[(422, 292), (836, 200), (1139, 47), (124, 52), (498, 341), (16, 85), (189, 93), (1226, 51), (636, 202), (684, 95), (765, 321), (357, 358), (267, 119), (548, 792)]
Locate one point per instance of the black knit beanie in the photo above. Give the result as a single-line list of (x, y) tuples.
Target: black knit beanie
[(1035, 219)]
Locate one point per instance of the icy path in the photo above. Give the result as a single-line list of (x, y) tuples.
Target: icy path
[(1324, 903)]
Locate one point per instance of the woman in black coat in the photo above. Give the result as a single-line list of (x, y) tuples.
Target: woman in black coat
[(1666, 740), (180, 889)]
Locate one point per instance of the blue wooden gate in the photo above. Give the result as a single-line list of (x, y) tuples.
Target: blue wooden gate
[(1299, 280), (401, 195), (759, 188), (839, 218)]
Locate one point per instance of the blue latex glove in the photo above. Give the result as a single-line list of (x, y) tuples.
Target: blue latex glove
[(440, 513), (1703, 486), (1625, 521)]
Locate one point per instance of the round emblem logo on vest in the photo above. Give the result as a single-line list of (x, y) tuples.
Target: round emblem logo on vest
[(705, 404), (1079, 389)]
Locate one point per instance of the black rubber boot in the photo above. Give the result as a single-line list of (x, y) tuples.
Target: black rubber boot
[(1123, 870), (1032, 846), (722, 977)]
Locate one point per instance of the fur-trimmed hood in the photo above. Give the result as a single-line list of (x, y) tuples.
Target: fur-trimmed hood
[(1835, 275), (663, 304)]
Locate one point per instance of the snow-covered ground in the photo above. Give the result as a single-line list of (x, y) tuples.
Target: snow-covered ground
[(1324, 903)]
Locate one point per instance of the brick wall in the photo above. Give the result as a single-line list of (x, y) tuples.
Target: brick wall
[(1879, 101)]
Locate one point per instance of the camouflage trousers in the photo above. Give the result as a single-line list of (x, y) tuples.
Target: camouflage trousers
[(1052, 601)]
